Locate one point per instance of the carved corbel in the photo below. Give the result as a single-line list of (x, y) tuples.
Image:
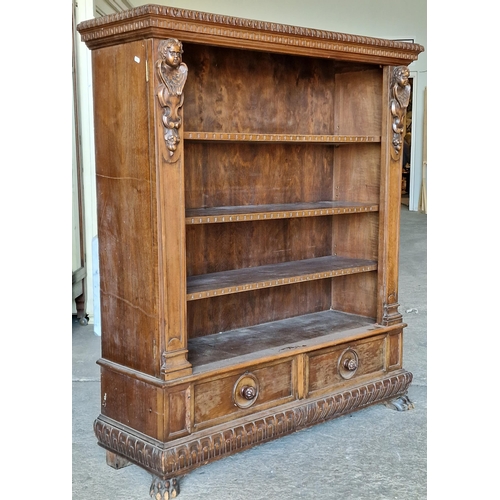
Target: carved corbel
[(172, 74), (400, 98)]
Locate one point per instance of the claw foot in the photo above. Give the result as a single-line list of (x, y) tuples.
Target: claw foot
[(164, 489), (402, 403)]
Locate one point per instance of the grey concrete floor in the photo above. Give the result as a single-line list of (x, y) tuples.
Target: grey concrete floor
[(372, 454)]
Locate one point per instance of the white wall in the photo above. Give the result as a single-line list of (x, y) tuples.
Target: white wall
[(392, 19), (84, 11), (75, 230)]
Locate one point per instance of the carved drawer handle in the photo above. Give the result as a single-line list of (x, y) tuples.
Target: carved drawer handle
[(248, 392), (348, 363), (351, 364)]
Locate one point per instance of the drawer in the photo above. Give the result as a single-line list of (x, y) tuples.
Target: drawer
[(242, 392), (341, 365)]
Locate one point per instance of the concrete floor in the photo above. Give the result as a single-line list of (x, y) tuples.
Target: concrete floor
[(375, 453)]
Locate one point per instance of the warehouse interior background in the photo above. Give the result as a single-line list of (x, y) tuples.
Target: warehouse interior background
[(37, 150)]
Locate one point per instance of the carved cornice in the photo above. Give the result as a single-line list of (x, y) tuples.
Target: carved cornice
[(168, 460), (188, 25)]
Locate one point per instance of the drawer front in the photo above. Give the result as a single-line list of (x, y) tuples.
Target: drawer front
[(342, 365), (242, 392)]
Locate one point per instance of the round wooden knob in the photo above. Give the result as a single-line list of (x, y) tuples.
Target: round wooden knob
[(248, 392), (350, 364)]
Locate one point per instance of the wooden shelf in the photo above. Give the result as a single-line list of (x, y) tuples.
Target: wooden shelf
[(253, 278), (275, 338), (277, 211), (280, 138)]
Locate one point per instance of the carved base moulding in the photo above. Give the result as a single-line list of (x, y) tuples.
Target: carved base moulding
[(177, 458)]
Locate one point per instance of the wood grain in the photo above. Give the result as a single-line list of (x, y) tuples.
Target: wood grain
[(126, 206)]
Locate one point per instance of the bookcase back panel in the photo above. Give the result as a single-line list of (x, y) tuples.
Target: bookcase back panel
[(228, 312), (358, 102), (356, 294), (230, 90), (231, 174), (220, 247), (357, 173)]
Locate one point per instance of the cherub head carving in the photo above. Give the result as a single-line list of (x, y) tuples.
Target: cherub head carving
[(171, 52), (171, 70), (172, 75), (402, 86)]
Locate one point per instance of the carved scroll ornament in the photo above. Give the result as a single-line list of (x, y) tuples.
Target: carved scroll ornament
[(400, 98), (172, 74)]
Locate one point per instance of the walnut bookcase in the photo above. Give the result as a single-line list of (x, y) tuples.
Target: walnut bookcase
[(248, 190)]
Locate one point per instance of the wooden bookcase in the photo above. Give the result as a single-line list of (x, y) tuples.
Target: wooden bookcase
[(248, 222)]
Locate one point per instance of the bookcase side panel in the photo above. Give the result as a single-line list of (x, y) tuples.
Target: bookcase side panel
[(356, 236), (356, 173), (356, 294), (126, 206), (358, 102)]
